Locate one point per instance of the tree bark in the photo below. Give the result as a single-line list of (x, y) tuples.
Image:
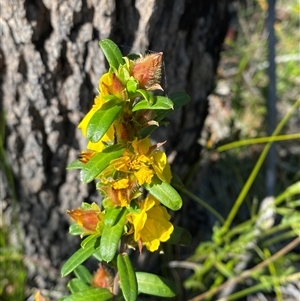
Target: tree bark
[(50, 66)]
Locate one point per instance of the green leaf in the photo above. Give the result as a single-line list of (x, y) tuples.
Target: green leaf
[(103, 119), (224, 269), (148, 96), (180, 236), (160, 103), (155, 285), (97, 255), (75, 165), (165, 193), (179, 99), (127, 277), (133, 56), (91, 294), (112, 53), (111, 216), (75, 229), (131, 86), (99, 162), (80, 256), (83, 274), (111, 236), (77, 285)]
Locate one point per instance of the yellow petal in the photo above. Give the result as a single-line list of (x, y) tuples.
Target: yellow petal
[(161, 166), (141, 146), (151, 224), (144, 175), (123, 183)]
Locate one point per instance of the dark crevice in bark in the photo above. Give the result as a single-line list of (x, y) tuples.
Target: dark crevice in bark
[(86, 91), (22, 67), (2, 76), (63, 69), (85, 15), (125, 25), (39, 17), (37, 123), (95, 35)]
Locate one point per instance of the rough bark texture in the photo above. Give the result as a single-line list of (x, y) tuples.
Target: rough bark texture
[(50, 65)]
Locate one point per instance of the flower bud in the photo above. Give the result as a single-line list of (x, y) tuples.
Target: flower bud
[(87, 219), (103, 278), (147, 71)]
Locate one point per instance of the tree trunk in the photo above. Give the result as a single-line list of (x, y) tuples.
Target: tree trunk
[(50, 66)]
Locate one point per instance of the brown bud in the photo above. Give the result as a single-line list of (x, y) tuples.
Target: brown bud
[(147, 71), (88, 219), (102, 278)]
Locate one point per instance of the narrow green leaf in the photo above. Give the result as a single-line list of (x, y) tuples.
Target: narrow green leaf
[(112, 53), (179, 99), (127, 277), (83, 274), (111, 236), (75, 229), (90, 239), (99, 162), (79, 257), (91, 294), (75, 165), (224, 270), (152, 284), (180, 236), (131, 86), (165, 193), (103, 119), (112, 215), (77, 285), (160, 103), (97, 255), (148, 96)]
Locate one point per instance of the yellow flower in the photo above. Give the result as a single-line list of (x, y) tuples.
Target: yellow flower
[(144, 161), (109, 85), (118, 192), (151, 224)]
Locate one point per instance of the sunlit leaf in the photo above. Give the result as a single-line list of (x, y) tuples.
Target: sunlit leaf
[(127, 277), (103, 119), (111, 236), (91, 294), (83, 273), (159, 103), (148, 96), (111, 216), (165, 193), (75, 165), (131, 86), (75, 229), (99, 162), (77, 285), (112, 53), (79, 257), (152, 284)]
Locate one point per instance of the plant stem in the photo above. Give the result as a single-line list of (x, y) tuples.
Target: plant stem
[(248, 273), (202, 203), (255, 170)]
